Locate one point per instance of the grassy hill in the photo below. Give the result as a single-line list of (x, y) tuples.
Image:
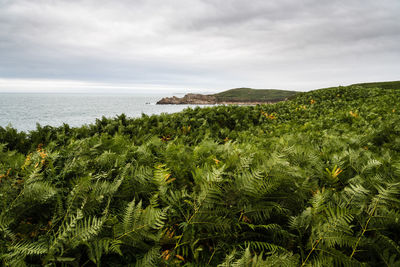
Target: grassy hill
[(383, 85), (254, 95), (313, 181), (274, 95)]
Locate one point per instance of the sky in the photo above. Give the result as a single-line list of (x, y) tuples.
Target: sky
[(161, 45)]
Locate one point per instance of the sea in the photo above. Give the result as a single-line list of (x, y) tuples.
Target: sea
[(23, 111)]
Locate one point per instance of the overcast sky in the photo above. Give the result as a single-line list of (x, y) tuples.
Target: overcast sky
[(197, 44)]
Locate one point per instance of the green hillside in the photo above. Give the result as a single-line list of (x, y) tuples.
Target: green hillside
[(275, 95), (313, 181), (254, 95), (383, 85)]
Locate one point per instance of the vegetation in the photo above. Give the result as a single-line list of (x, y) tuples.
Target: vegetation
[(383, 85), (253, 95), (314, 181)]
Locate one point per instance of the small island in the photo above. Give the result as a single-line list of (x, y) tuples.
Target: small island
[(237, 96)]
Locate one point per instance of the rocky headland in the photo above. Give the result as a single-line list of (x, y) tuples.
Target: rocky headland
[(237, 96), (198, 99)]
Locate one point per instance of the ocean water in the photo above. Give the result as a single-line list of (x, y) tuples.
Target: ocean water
[(23, 110)]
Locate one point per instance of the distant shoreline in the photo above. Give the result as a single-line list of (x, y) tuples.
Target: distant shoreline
[(220, 103), (237, 96)]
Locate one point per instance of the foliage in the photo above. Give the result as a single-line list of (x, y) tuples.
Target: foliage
[(313, 181), (254, 95)]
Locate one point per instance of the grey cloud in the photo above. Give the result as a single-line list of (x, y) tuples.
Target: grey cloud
[(203, 43)]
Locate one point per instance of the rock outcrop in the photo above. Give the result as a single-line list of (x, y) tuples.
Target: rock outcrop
[(198, 99)]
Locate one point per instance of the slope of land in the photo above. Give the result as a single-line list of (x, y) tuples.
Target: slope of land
[(383, 85), (312, 181), (255, 96), (233, 96)]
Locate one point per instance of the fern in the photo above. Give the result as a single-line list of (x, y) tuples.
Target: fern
[(151, 258), (312, 185), (98, 247), (247, 259), (19, 251), (140, 226)]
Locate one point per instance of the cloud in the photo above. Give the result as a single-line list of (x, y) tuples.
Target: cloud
[(201, 43)]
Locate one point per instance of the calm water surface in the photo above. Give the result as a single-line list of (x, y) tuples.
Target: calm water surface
[(23, 110)]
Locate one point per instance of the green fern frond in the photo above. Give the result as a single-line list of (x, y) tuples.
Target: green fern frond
[(151, 258), (263, 246), (139, 225), (19, 251), (370, 165), (86, 229), (248, 259), (5, 232), (131, 215), (39, 192), (99, 247)]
